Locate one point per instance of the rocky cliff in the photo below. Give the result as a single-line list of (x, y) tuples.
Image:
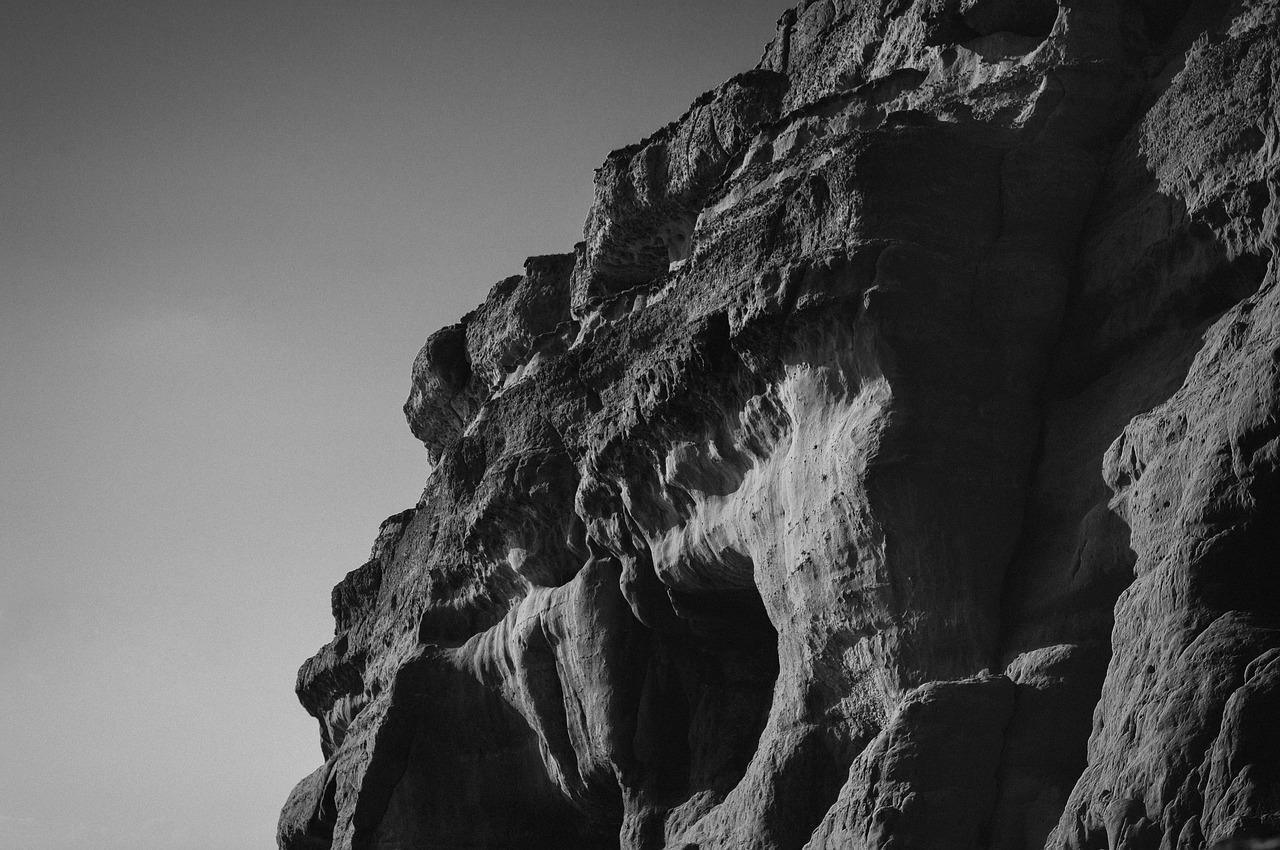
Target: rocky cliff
[(895, 463)]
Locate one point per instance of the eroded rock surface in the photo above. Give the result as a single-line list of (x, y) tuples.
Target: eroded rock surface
[(895, 463)]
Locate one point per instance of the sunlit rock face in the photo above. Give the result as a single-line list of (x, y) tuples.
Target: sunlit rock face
[(895, 463)]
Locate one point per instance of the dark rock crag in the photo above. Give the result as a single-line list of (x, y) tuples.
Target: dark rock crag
[(895, 463)]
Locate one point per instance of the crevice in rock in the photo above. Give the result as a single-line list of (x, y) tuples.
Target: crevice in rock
[(1032, 18)]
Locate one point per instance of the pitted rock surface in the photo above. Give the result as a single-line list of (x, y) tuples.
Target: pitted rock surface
[(894, 464)]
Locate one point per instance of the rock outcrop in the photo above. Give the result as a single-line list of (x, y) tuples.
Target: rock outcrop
[(896, 463)]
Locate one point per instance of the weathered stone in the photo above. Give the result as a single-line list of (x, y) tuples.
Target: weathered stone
[(896, 463), (648, 195)]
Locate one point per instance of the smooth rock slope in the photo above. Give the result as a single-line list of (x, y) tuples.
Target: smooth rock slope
[(895, 463)]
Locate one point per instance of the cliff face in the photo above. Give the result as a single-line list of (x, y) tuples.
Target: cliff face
[(896, 463)]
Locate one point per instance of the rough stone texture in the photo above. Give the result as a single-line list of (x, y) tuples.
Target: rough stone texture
[(895, 464), (648, 195)]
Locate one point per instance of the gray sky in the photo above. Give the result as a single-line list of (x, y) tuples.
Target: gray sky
[(225, 229)]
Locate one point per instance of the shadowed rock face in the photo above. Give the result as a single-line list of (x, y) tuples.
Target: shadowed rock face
[(896, 463)]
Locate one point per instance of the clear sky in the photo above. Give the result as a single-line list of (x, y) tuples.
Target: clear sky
[(225, 229)]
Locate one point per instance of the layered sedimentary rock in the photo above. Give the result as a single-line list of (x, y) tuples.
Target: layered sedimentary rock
[(895, 463)]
